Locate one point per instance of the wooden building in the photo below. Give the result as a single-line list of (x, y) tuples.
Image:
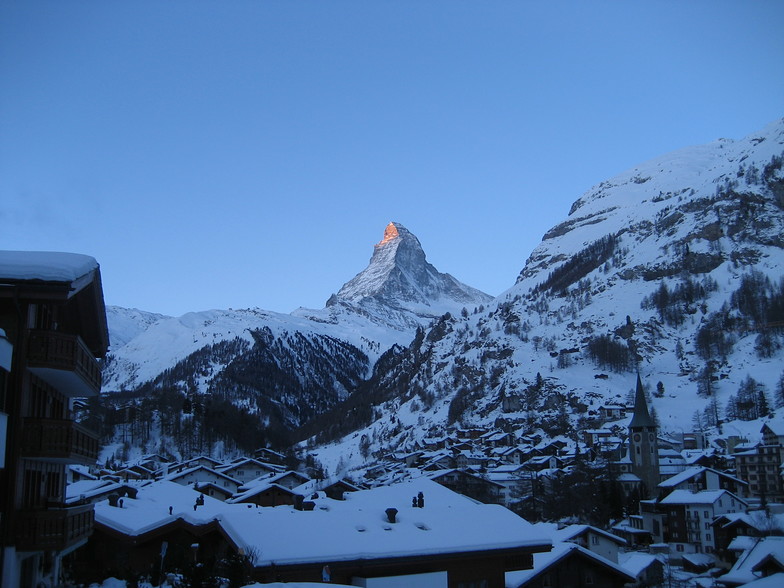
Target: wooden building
[(52, 315)]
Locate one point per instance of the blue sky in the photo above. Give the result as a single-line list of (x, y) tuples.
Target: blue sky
[(249, 154)]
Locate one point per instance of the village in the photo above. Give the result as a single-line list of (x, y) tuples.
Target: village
[(704, 514), (622, 505)]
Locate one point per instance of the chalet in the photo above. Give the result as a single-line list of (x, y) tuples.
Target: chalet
[(337, 490), (201, 460), (773, 432), (763, 559), (497, 439), (267, 494), (468, 459), (543, 462), (409, 459), (247, 469), (269, 456), (471, 485), (201, 474), (53, 318), (155, 461), (593, 539), (511, 455), (569, 564), (515, 480), (372, 535), (751, 525), (671, 462), (92, 491), (696, 479), (213, 490), (435, 443), (648, 569), (290, 479), (135, 472), (632, 530), (612, 412), (129, 536), (440, 460), (77, 473)]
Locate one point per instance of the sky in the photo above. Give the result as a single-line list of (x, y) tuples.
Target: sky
[(250, 153)]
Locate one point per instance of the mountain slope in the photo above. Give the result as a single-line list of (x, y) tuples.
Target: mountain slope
[(673, 268), (284, 369)]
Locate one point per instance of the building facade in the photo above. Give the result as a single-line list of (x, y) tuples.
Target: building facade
[(53, 317)]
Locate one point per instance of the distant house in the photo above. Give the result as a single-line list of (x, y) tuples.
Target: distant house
[(267, 494), (201, 460), (201, 474), (248, 469), (688, 519), (337, 490), (763, 559), (569, 564), (648, 569), (471, 485), (698, 478), (213, 490), (593, 539), (612, 412), (268, 455)]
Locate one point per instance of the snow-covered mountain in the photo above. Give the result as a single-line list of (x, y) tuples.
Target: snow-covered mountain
[(673, 268), (292, 366)]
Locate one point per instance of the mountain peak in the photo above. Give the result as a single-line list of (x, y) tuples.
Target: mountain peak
[(400, 276), (391, 233)]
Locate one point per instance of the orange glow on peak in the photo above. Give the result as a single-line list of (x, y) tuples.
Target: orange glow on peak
[(389, 233)]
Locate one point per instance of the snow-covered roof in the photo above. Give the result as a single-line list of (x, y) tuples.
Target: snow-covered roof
[(256, 490), (543, 561), (637, 562), (572, 531), (742, 572), (45, 266), (336, 530), (703, 497)]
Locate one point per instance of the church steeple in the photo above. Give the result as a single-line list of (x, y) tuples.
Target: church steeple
[(641, 416), (643, 445)]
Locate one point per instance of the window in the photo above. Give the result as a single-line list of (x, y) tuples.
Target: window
[(588, 578), (707, 514), (594, 540), (679, 547), (707, 537)]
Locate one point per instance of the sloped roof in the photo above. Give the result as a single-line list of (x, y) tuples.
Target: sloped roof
[(545, 561), (641, 417), (336, 530)]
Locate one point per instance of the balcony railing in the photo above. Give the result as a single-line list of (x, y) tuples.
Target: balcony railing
[(58, 440), (65, 362), (54, 528)]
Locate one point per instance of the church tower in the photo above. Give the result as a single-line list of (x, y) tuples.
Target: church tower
[(643, 446)]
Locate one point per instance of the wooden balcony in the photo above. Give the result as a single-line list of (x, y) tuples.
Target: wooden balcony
[(53, 529), (65, 362), (58, 440)]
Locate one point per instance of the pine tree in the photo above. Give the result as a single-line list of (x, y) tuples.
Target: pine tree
[(779, 392)]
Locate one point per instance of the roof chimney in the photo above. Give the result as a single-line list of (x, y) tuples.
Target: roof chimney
[(391, 514)]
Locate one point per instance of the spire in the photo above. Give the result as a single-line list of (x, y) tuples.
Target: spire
[(641, 417)]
